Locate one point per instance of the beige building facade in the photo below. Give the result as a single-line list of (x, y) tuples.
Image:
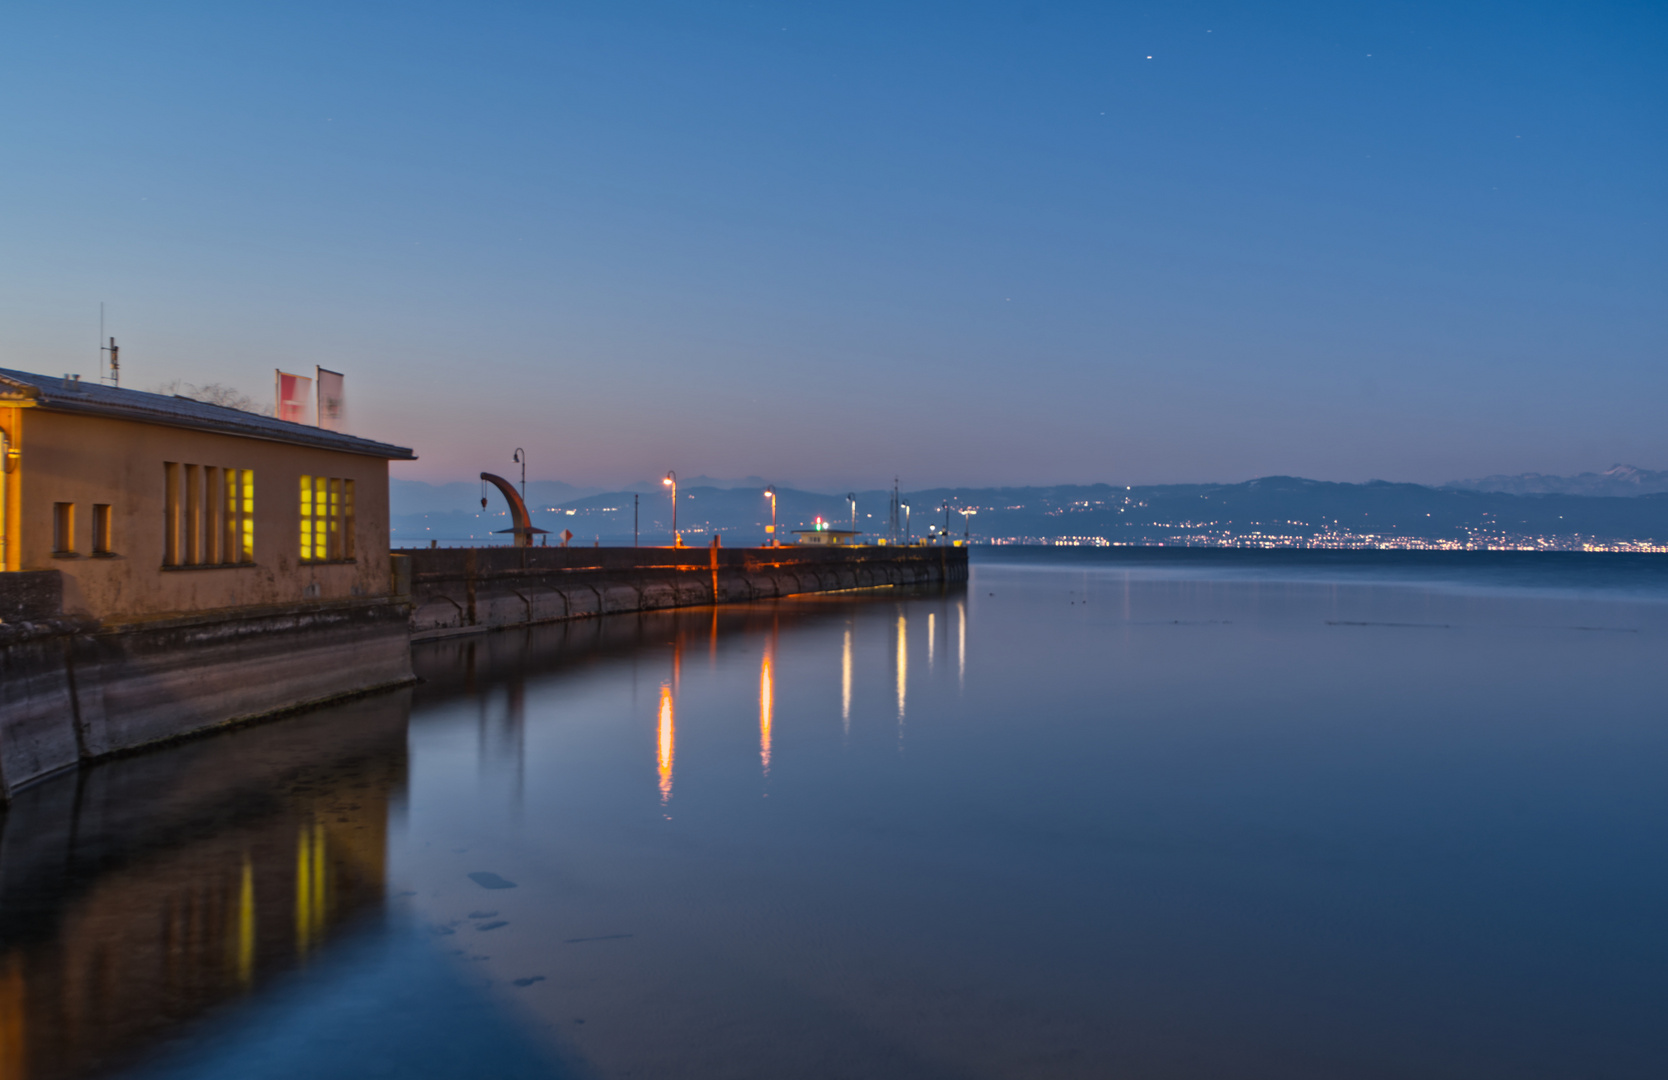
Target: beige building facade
[(154, 506)]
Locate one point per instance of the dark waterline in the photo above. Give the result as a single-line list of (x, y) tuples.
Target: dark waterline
[(1152, 814)]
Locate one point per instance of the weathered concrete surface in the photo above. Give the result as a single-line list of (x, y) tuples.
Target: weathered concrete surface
[(466, 590), (72, 690), (31, 594)]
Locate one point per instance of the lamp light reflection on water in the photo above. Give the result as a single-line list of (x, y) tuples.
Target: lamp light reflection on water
[(845, 685), (766, 693), (903, 663), (666, 736), (961, 641), (931, 632)]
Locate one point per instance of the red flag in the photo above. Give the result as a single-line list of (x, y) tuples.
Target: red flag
[(292, 397)]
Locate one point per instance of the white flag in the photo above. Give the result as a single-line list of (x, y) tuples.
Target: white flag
[(332, 406)]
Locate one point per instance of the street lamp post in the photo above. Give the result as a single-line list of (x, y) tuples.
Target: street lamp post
[(671, 481), (851, 497), (771, 493), (905, 508)]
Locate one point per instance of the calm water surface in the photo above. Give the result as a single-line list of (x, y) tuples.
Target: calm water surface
[(1209, 815)]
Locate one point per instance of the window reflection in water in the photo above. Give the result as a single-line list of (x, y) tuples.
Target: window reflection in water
[(110, 942), (666, 735)]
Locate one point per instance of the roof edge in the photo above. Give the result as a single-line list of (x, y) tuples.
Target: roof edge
[(366, 447)]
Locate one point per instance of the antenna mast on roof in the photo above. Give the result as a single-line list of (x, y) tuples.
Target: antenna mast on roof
[(115, 353)]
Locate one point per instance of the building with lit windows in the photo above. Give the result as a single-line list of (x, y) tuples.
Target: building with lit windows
[(150, 504), (168, 566)]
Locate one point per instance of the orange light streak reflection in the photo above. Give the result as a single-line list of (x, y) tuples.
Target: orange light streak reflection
[(666, 737), (767, 691), (903, 663), (845, 685)]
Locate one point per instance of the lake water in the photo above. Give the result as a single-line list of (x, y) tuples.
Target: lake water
[(1135, 814)]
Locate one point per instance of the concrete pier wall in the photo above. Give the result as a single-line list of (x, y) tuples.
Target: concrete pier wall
[(73, 690), (468, 590)]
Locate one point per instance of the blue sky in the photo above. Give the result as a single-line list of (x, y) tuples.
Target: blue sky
[(830, 243)]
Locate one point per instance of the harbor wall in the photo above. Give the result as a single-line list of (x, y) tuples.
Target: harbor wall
[(73, 689), (469, 590)]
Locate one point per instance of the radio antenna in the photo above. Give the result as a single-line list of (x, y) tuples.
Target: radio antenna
[(115, 354)]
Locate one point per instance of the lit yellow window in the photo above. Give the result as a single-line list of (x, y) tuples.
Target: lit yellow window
[(306, 519), (348, 551), (335, 519), (246, 548), (326, 519)]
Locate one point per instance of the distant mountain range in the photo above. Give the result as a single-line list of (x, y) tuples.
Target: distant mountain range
[(1620, 481), (1272, 511)]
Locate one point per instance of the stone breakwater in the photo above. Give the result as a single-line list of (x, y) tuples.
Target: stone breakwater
[(73, 689), (467, 590)]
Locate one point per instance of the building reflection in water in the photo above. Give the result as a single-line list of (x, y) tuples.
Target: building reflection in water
[(767, 694), (140, 894), (667, 734)]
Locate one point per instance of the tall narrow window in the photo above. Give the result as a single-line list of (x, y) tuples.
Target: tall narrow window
[(307, 519), (246, 515), (214, 516), (326, 519), (101, 529), (231, 537), (348, 547), (63, 528), (170, 513), (335, 518), (193, 546)]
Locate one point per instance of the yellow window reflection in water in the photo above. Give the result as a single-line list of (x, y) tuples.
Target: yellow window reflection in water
[(310, 893), (244, 949), (767, 691), (666, 736)]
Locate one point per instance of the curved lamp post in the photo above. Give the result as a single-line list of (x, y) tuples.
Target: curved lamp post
[(520, 457), (671, 481)]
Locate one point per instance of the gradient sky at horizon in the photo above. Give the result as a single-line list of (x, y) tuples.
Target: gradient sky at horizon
[(829, 244)]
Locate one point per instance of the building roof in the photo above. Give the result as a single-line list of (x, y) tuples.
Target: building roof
[(95, 399), (831, 532)]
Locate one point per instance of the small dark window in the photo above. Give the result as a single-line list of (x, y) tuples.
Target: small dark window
[(63, 528), (101, 529)]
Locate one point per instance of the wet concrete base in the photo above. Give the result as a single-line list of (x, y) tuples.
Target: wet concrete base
[(73, 691)]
